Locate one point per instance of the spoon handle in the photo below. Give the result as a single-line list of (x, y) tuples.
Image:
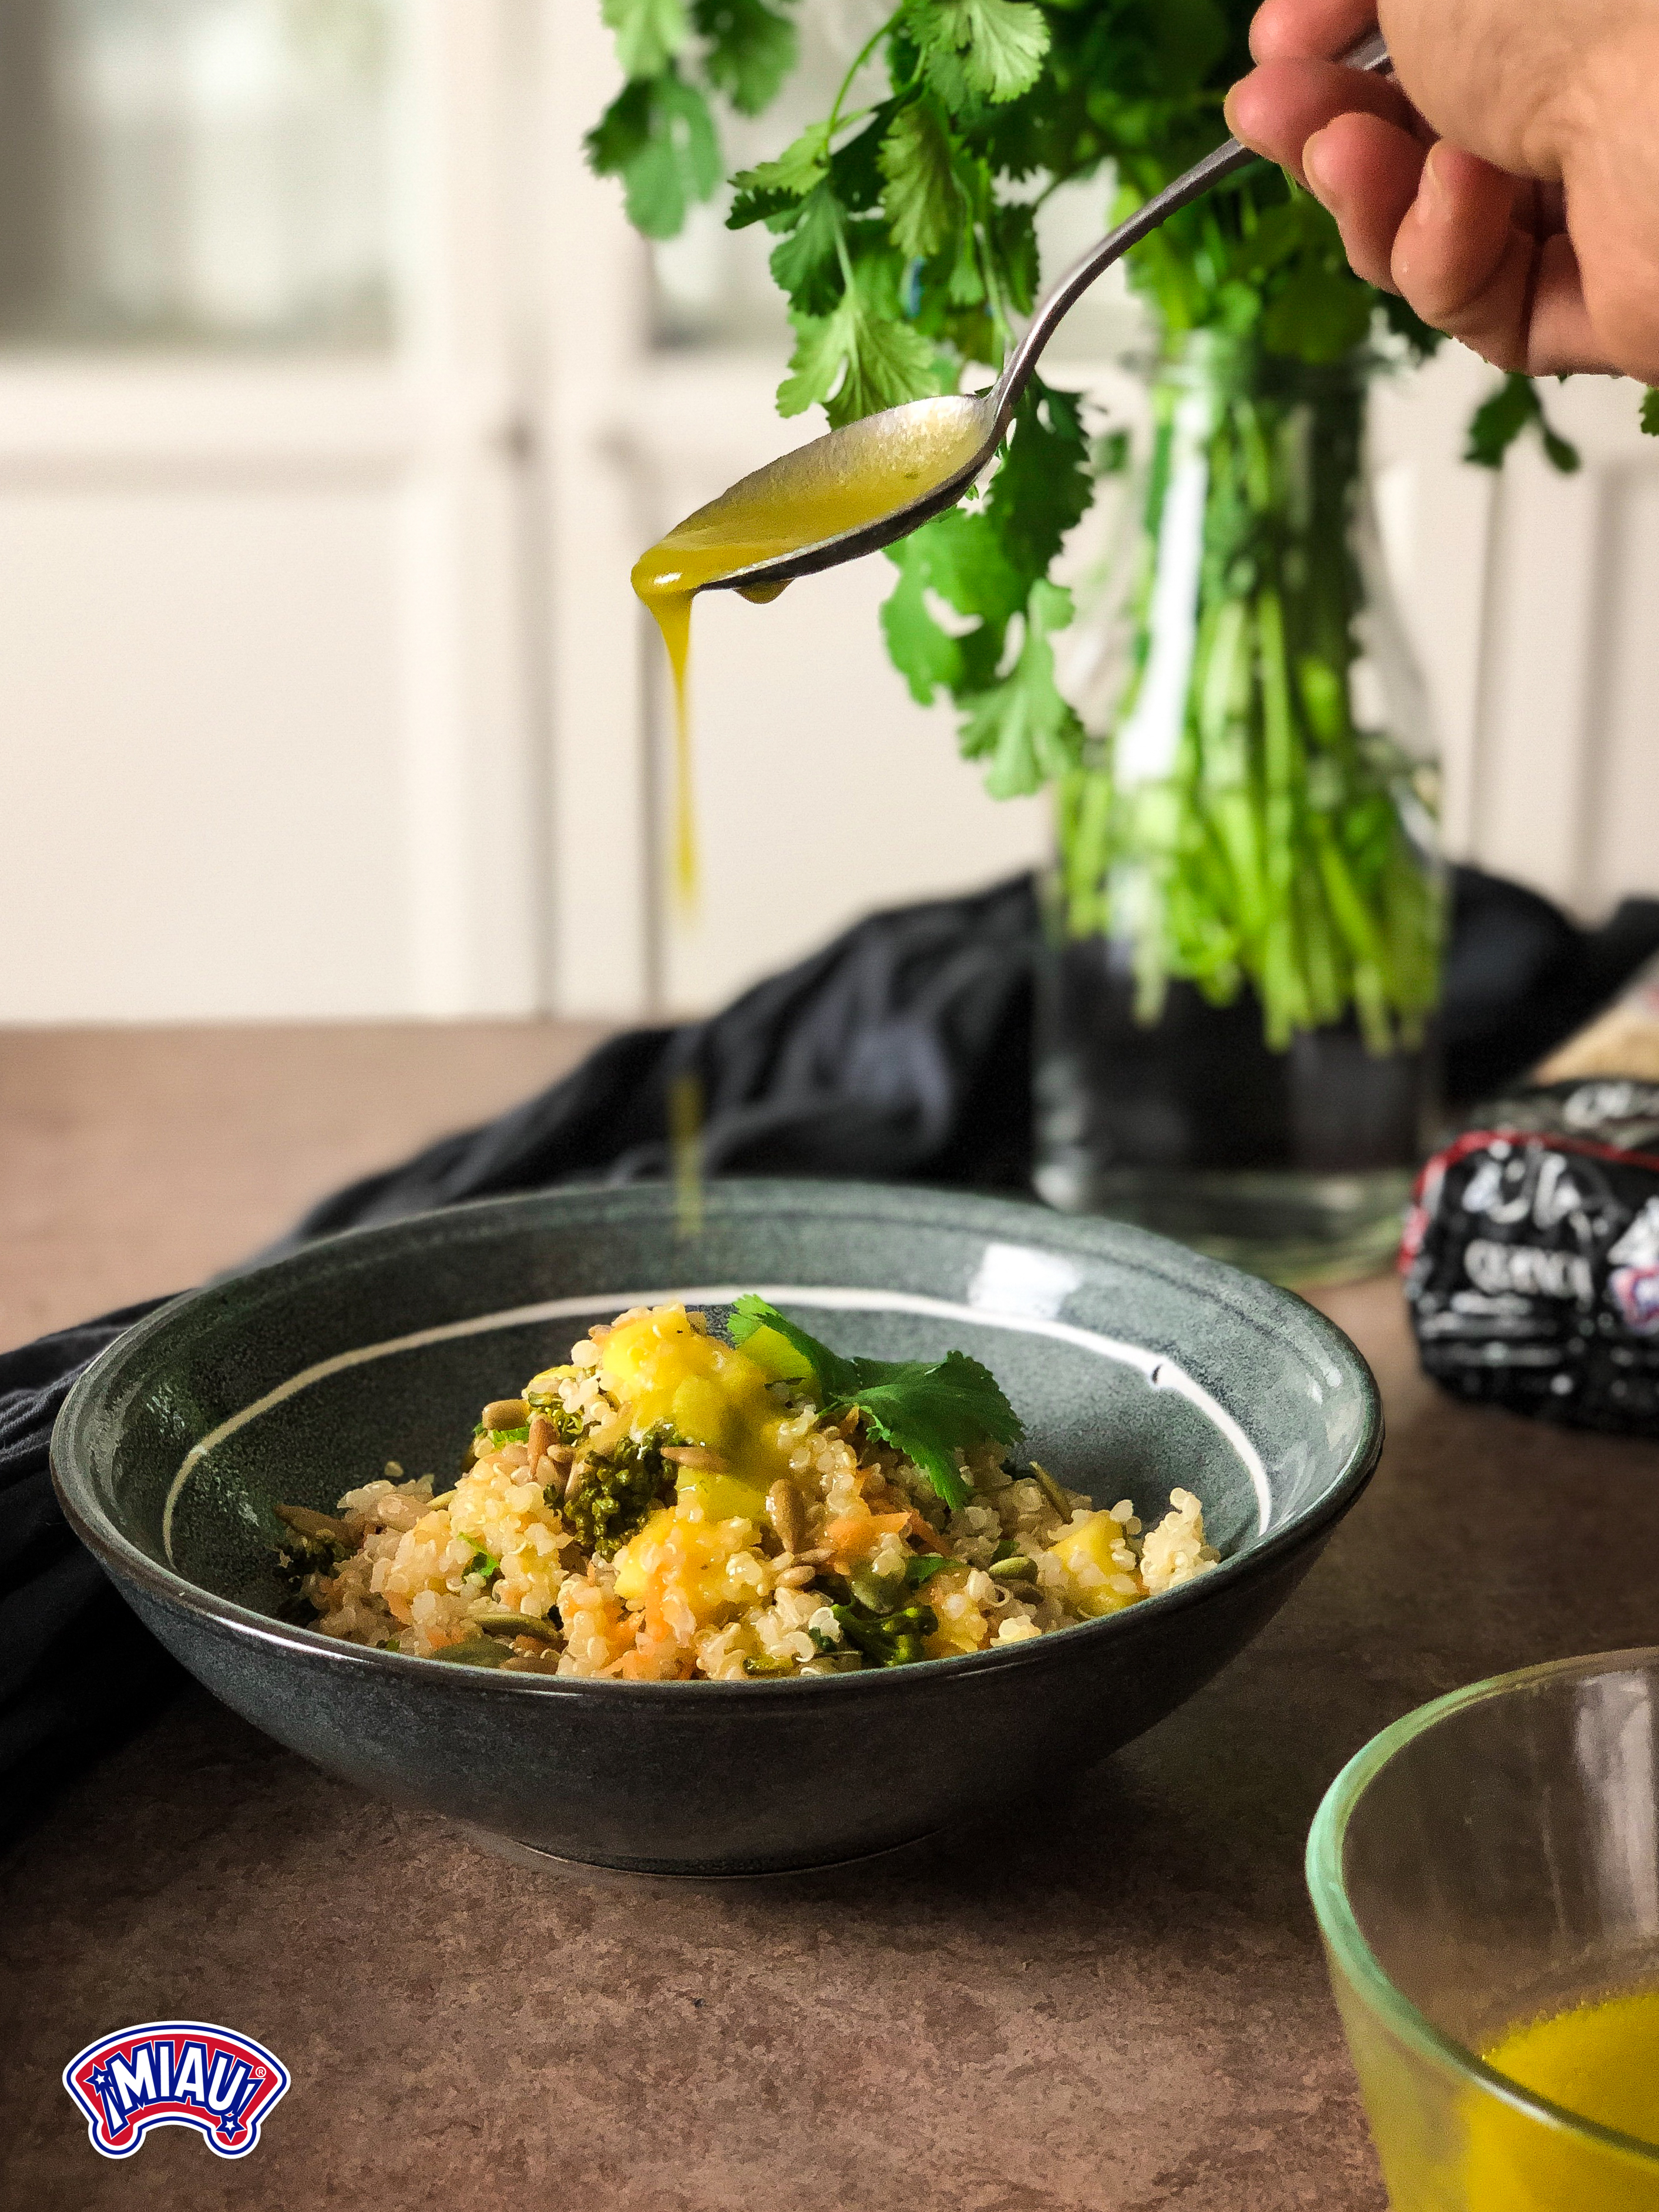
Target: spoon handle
[(1371, 54)]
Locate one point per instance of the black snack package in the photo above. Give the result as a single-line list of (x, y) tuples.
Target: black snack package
[(1531, 1255)]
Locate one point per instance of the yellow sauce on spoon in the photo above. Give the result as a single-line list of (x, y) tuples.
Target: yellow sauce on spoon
[(821, 491)]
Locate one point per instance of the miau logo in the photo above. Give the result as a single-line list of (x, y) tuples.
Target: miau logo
[(177, 2073)]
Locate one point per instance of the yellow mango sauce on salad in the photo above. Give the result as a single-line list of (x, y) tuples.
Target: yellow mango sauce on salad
[(674, 1502), (821, 491)]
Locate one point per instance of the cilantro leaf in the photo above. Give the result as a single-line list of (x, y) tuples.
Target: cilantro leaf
[(836, 1375), (1422, 340), (856, 360), (983, 561), (1515, 407), (928, 1410), (1651, 414), (962, 556), (856, 168), (994, 47), (658, 135), (807, 262), (923, 653), (965, 285), (968, 564), (1013, 236), (649, 33), (921, 201), (803, 163), (1190, 38), (751, 50), (1318, 315), (1024, 728), (769, 206), (1043, 487)]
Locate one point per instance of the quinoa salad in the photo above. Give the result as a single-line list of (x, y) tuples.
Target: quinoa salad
[(670, 1504)]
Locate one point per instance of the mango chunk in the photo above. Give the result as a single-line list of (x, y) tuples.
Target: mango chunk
[(633, 1559), (664, 1373), (701, 1568), (701, 1411), (1098, 1566), (722, 1497)]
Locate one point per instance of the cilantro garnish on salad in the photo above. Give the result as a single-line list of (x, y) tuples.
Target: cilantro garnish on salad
[(927, 1409)]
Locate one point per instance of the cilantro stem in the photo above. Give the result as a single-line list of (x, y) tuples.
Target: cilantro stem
[(858, 62), (843, 255), (1275, 850)]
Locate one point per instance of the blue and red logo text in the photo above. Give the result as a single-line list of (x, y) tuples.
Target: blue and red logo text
[(175, 2073)]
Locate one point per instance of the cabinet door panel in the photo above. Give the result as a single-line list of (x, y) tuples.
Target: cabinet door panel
[(199, 748)]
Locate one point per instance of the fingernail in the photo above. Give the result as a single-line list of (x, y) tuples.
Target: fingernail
[(1227, 111), (1313, 156), (1433, 188)]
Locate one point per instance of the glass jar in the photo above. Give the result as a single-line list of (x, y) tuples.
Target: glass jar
[(1243, 925)]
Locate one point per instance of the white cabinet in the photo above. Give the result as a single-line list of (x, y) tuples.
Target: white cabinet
[(270, 737), (1530, 595)]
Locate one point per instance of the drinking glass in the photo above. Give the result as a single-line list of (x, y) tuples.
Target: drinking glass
[(1490, 1860)]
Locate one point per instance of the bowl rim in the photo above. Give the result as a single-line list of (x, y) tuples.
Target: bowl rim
[(1094, 1236), (1339, 1925)]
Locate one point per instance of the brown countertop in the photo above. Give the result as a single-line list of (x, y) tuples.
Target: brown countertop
[(1112, 2003)]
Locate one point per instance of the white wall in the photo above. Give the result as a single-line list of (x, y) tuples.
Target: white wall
[(205, 809), (1530, 597)]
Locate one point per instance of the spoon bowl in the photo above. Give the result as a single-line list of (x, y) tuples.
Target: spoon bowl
[(858, 488), (828, 500)]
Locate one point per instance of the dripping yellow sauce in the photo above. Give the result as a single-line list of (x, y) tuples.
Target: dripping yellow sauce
[(837, 483)]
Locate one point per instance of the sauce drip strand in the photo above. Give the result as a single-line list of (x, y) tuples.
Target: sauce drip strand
[(820, 492)]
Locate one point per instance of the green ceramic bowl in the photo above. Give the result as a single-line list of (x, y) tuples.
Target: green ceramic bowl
[(1136, 1365)]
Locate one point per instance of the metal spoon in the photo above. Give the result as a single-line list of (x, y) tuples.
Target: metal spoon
[(944, 429)]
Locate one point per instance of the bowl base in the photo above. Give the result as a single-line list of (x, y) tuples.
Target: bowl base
[(544, 1862)]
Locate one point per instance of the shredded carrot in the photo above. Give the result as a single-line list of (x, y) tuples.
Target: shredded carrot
[(855, 1536)]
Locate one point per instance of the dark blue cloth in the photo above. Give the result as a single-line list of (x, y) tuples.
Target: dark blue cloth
[(899, 1052)]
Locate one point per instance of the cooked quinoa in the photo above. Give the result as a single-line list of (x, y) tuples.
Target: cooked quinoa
[(588, 1536)]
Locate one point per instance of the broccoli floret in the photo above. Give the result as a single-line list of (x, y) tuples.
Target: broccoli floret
[(566, 1426), (616, 1495), (542, 1396)]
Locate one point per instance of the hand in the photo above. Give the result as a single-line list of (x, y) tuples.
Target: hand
[(1507, 187)]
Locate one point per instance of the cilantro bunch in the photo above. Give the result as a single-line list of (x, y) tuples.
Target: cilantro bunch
[(906, 249), (927, 1409), (905, 234)]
